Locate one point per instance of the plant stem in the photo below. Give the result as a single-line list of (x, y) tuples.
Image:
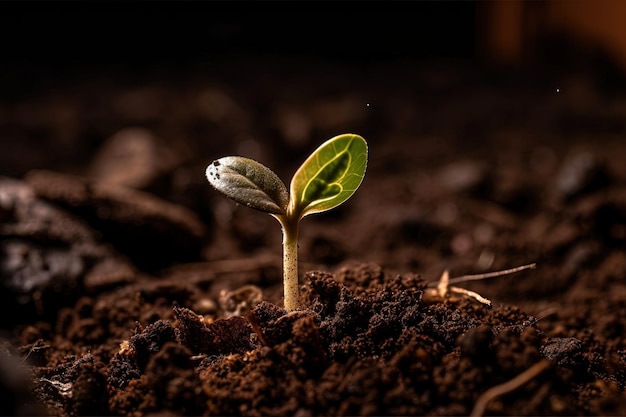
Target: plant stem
[(291, 284)]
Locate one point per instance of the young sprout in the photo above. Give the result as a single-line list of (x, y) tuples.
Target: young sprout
[(329, 176)]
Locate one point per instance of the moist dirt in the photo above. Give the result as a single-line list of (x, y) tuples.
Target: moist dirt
[(131, 287)]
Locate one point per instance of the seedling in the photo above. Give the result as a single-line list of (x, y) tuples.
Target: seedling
[(329, 176)]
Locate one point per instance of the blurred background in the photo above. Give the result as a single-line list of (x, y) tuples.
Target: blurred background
[(494, 127), (73, 74)]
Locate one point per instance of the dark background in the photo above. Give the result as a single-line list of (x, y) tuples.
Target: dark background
[(48, 38), (75, 60), (66, 58)]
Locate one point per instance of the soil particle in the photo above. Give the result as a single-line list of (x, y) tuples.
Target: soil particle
[(16, 384), (48, 255), (153, 232)]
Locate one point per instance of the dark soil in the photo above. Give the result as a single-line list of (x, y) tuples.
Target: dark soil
[(131, 287)]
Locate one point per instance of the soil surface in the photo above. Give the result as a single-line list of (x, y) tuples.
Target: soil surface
[(131, 287)]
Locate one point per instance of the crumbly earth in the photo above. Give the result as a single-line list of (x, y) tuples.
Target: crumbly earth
[(130, 287)]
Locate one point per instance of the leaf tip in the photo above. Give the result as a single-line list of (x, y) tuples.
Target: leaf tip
[(212, 172)]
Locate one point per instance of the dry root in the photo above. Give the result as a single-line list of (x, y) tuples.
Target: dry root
[(509, 386), (444, 291)]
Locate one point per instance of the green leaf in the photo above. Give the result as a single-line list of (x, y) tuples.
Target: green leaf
[(248, 182), (329, 176)]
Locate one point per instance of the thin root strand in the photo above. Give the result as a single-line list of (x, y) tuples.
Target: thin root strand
[(509, 386)]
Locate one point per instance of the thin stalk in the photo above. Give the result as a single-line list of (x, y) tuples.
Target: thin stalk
[(476, 277), (494, 392), (291, 286)]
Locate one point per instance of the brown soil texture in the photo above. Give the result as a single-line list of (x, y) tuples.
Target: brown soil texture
[(131, 287)]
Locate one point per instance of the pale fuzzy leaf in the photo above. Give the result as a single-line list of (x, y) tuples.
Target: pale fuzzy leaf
[(248, 182)]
